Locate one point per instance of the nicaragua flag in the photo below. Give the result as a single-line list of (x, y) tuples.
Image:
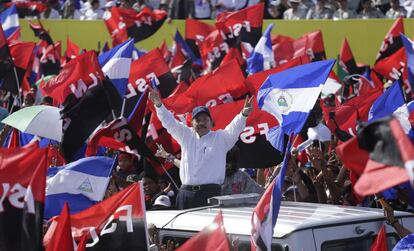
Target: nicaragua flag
[(265, 213), (262, 57), (409, 51), (185, 49), (116, 63), (290, 95), (10, 22), (391, 102), (81, 183)]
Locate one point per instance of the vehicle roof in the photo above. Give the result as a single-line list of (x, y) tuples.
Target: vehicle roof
[(293, 216)]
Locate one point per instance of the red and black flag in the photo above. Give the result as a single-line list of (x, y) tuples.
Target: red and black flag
[(150, 67), (62, 238), (85, 115), (224, 85), (393, 67), (255, 149), (392, 41), (390, 160), (139, 26), (72, 50), (117, 223), (23, 184), (116, 27), (212, 50), (347, 60), (75, 78), (22, 53), (28, 8), (41, 32), (195, 33), (246, 24), (310, 44)]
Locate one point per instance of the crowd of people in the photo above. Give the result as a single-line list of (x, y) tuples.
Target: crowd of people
[(210, 9)]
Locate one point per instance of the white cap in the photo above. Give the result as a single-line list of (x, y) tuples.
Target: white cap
[(109, 4), (319, 132), (162, 200)]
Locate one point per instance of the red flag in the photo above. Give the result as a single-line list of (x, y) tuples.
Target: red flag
[(165, 52), (212, 50), (22, 53), (221, 86), (392, 67), (72, 49), (76, 78), (23, 179), (33, 8), (352, 156), (195, 33), (390, 156), (212, 237), (246, 23), (255, 150), (117, 223), (62, 237), (310, 44), (346, 58), (234, 53), (142, 25), (380, 243), (392, 41), (353, 110), (116, 27)]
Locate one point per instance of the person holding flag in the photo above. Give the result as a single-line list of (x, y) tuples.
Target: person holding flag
[(203, 154)]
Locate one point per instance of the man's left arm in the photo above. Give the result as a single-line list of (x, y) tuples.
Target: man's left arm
[(236, 126)]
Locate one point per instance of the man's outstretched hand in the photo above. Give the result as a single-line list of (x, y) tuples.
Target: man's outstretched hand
[(154, 96), (248, 106)]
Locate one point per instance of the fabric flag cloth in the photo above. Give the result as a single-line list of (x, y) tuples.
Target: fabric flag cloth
[(117, 223), (392, 41), (62, 239), (406, 243), (409, 52), (262, 57), (185, 48), (82, 118), (347, 60), (380, 243), (116, 64), (81, 184), (290, 95), (391, 102), (10, 22), (390, 160), (22, 175), (212, 237), (6, 61), (265, 213), (76, 77)]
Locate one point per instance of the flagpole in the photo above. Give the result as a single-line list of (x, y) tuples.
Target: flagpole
[(123, 107), (169, 176)]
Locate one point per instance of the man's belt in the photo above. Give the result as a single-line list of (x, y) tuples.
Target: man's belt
[(196, 188)]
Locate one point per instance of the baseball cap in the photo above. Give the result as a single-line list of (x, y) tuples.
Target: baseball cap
[(162, 200), (200, 109)]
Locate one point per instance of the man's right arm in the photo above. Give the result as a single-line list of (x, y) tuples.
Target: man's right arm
[(176, 129)]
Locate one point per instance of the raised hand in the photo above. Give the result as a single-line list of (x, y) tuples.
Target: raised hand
[(154, 96), (248, 106)]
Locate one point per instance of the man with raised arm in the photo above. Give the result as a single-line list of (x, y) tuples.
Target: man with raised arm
[(203, 152)]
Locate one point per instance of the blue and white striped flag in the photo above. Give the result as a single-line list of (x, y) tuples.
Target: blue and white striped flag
[(409, 51), (262, 57), (116, 64), (10, 21), (81, 183), (290, 96)]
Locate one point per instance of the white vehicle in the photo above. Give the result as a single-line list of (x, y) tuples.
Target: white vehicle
[(300, 226)]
